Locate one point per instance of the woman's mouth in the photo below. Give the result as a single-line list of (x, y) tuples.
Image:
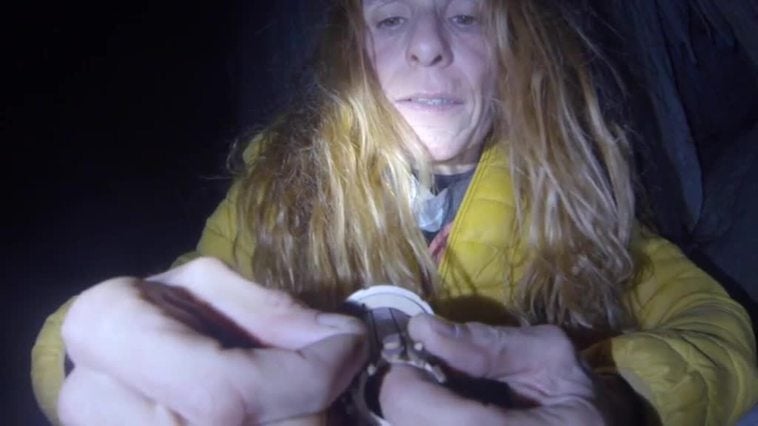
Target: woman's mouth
[(430, 102)]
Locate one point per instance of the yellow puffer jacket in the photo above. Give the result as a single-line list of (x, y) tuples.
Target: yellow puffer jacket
[(694, 360)]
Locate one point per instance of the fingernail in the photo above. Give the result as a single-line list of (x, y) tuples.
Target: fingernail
[(442, 327), (343, 323)]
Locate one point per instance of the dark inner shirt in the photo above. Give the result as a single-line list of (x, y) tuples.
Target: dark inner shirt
[(456, 186)]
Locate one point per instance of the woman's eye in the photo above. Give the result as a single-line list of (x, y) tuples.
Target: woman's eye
[(464, 20), (391, 22)]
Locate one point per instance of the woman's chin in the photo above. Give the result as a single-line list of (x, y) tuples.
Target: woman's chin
[(445, 160), (452, 166)]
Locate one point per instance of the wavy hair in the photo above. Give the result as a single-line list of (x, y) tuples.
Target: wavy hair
[(571, 169), (327, 194)]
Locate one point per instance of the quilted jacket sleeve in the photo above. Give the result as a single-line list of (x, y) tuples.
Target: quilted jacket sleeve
[(47, 363), (694, 360), (219, 239)]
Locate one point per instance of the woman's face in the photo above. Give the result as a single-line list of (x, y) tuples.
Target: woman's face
[(435, 65)]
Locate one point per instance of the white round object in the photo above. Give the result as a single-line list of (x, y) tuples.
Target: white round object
[(390, 296)]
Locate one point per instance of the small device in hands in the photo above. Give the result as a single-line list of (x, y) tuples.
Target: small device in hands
[(386, 310)]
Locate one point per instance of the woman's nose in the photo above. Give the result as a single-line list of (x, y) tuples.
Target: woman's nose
[(428, 44)]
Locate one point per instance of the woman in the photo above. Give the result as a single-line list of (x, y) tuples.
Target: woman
[(456, 148)]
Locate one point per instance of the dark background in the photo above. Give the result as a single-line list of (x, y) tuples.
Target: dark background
[(116, 119)]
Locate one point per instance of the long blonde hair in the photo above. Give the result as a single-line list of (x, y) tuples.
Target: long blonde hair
[(327, 195)]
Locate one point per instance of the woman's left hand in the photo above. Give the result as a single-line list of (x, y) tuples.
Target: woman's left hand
[(539, 364)]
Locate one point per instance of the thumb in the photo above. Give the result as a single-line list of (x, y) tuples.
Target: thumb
[(470, 348), (496, 352), (306, 381), (340, 358)]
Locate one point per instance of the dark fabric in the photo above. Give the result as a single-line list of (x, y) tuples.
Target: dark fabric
[(693, 62), (455, 187)]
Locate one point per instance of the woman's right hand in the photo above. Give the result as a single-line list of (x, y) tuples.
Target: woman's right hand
[(134, 364)]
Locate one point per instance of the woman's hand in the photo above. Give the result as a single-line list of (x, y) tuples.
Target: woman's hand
[(134, 364), (539, 364)]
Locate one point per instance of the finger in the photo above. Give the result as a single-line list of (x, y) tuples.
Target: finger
[(460, 346), (306, 381), (191, 373), (272, 316), (494, 352), (409, 398), (91, 398)]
